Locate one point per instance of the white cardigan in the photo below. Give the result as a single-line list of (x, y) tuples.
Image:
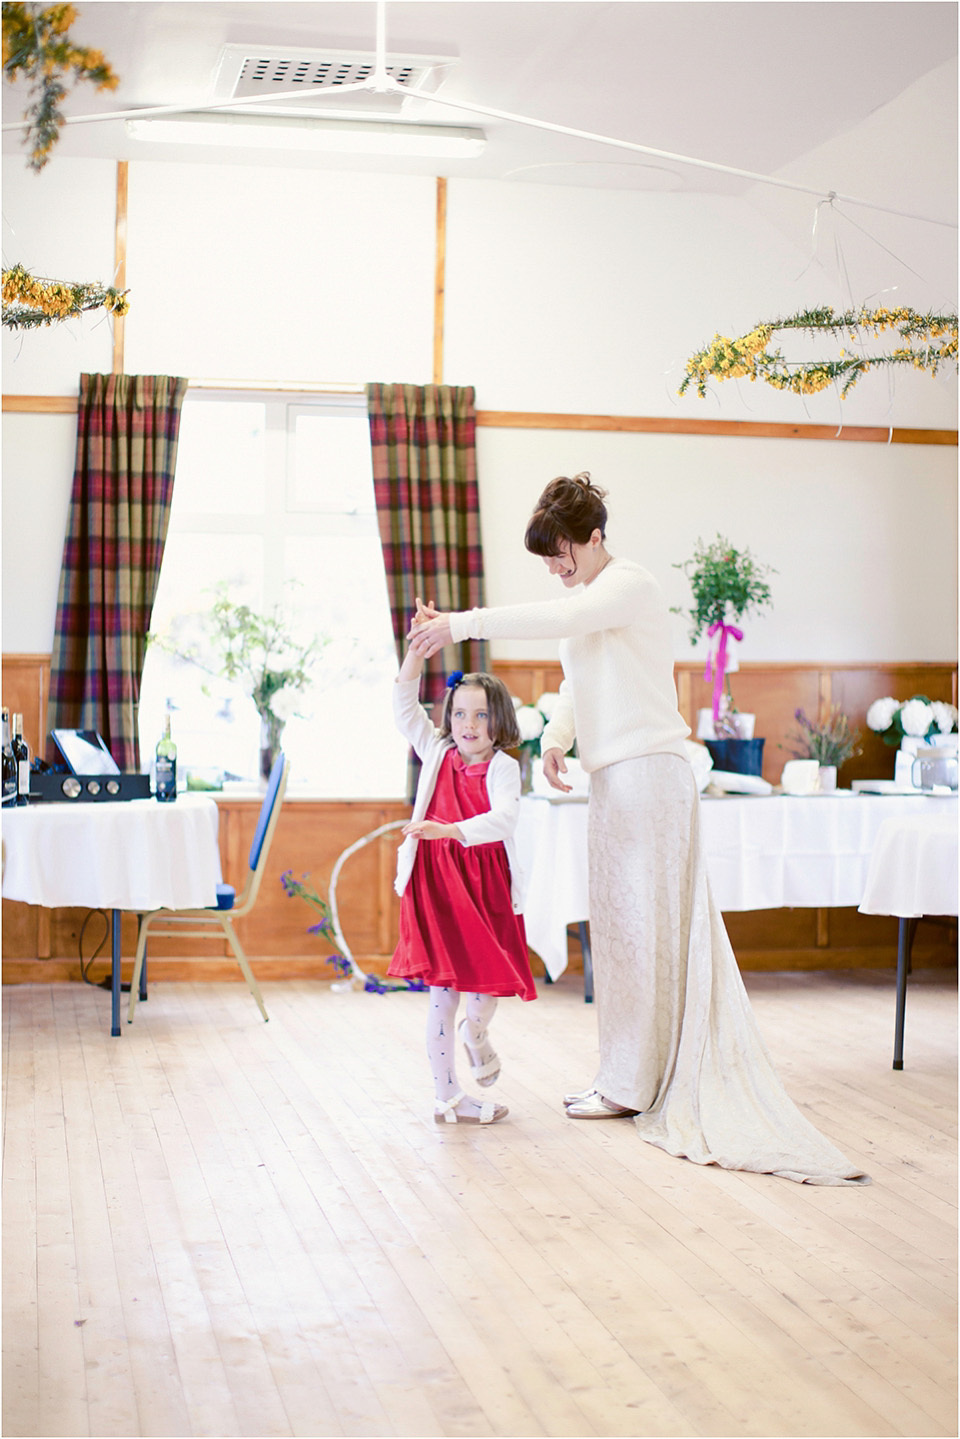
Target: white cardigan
[(503, 790)]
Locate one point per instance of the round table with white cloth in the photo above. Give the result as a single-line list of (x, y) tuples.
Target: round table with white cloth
[(913, 872), (119, 855), (133, 854), (913, 866)]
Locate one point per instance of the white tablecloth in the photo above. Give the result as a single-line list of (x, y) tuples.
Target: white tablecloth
[(913, 868), (124, 854), (762, 853)]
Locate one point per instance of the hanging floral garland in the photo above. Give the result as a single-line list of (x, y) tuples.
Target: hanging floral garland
[(927, 342), (28, 302), (36, 44)]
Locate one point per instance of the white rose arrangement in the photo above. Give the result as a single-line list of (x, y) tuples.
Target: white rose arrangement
[(533, 720), (915, 718)]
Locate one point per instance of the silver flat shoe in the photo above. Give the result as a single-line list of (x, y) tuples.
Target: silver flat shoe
[(580, 1094), (594, 1106)]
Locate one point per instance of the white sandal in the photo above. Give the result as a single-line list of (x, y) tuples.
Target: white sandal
[(484, 1074), (445, 1112)]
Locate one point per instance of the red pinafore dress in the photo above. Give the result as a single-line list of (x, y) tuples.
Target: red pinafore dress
[(458, 928)]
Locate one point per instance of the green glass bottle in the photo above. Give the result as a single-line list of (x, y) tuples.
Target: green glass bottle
[(166, 786)]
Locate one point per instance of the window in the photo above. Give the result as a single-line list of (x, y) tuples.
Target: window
[(274, 496)]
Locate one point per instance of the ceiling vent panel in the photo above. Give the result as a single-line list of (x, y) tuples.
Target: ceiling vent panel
[(315, 77)]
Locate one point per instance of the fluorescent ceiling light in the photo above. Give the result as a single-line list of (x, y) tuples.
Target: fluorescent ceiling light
[(276, 132)]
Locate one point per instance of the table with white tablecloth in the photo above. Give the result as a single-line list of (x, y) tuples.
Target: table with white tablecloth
[(763, 852), (133, 855), (913, 872)]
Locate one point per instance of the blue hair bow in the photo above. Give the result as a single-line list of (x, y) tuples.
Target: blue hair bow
[(454, 678)]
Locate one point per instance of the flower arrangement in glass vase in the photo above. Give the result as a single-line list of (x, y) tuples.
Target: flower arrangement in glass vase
[(532, 720), (261, 651), (830, 741)]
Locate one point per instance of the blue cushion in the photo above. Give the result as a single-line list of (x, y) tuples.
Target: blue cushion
[(226, 894), (266, 809)]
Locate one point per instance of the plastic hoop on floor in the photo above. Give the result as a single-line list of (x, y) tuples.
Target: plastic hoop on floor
[(345, 950)]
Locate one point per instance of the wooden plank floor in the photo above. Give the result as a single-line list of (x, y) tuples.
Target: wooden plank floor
[(216, 1226)]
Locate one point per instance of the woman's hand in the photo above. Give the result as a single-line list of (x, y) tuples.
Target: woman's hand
[(431, 829), (429, 636), (554, 766)]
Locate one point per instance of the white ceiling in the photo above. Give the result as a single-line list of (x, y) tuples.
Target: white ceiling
[(753, 84)]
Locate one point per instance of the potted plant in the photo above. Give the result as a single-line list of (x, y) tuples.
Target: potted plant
[(831, 742), (727, 584)]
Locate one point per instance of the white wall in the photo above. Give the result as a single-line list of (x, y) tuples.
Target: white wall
[(861, 574), (59, 224), (557, 299), (268, 273), (591, 301), (38, 456)]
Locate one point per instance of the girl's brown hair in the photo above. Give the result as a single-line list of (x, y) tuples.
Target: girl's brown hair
[(502, 721), (567, 513)]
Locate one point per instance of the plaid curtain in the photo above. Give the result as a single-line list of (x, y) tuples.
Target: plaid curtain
[(425, 481), (127, 429)]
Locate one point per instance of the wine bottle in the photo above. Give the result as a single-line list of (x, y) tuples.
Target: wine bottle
[(9, 762), (166, 764), (22, 756)]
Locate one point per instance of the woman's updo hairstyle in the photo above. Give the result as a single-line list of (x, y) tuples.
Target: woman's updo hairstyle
[(567, 513)]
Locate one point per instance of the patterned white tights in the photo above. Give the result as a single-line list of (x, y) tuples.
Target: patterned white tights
[(442, 1038)]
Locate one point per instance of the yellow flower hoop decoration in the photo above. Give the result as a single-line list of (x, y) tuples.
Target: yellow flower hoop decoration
[(928, 341), (28, 302)]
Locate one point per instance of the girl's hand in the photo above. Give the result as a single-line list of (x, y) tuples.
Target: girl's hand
[(554, 766), (431, 829), (423, 613)]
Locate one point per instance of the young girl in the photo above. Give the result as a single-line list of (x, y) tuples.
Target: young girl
[(460, 923)]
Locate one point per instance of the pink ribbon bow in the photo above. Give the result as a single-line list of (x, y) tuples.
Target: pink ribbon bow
[(717, 664)]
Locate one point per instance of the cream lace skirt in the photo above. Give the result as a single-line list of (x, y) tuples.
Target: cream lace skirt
[(678, 1039)]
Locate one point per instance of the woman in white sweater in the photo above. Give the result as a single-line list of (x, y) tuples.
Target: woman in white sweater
[(679, 1048)]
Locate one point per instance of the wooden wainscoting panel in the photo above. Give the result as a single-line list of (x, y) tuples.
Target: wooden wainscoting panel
[(19, 932), (529, 679), (26, 681), (774, 692), (309, 839), (41, 944)]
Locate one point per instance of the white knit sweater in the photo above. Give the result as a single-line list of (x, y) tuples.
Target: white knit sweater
[(618, 698)]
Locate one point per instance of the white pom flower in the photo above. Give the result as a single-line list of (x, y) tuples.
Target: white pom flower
[(881, 712), (530, 722), (547, 703), (283, 705), (916, 717), (945, 716)]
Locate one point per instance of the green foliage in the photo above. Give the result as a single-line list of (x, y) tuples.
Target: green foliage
[(260, 651), (727, 584)]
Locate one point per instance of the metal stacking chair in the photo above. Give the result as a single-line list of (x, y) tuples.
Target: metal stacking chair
[(218, 923)]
